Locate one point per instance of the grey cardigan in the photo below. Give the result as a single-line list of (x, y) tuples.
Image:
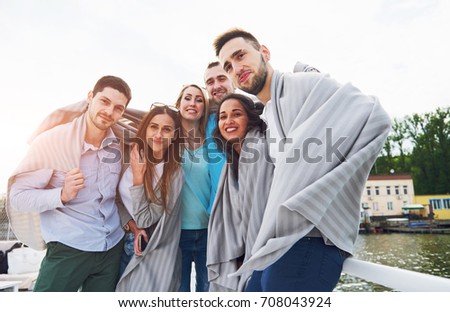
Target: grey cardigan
[(159, 267)]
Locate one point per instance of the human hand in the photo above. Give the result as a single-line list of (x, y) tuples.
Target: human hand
[(138, 165), (140, 236), (73, 183)]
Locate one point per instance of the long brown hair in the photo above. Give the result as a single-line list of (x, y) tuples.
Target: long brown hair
[(171, 158)]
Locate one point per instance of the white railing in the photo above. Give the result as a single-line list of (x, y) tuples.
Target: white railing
[(395, 278)]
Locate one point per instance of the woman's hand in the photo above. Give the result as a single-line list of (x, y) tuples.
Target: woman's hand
[(139, 236), (138, 165), (138, 233)]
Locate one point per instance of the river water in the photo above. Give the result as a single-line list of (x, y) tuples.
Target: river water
[(425, 253)]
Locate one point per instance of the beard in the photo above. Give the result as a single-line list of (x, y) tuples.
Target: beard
[(100, 123), (215, 101), (259, 80)]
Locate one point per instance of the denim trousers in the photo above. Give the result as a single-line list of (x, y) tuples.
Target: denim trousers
[(127, 252), (308, 266), (193, 248)]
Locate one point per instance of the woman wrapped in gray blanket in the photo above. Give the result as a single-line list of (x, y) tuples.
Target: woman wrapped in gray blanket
[(150, 189), (242, 192)]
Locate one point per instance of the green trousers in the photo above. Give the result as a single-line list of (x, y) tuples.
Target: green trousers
[(68, 269)]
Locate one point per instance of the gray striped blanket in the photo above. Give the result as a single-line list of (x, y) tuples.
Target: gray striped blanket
[(237, 213), (58, 148), (342, 131), (159, 266), (50, 148)]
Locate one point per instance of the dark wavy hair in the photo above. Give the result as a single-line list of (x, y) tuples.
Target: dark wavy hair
[(113, 82), (253, 111), (223, 38)]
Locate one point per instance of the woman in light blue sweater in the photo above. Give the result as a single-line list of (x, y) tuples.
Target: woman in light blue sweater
[(196, 193)]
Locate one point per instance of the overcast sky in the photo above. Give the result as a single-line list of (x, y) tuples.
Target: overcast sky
[(52, 52)]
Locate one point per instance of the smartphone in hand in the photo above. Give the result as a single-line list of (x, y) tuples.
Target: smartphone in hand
[(142, 243)]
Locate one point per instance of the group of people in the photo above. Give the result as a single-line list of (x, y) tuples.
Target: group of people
[(259, 189)]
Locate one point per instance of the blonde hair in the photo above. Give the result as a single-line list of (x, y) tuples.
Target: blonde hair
[(204, 119)]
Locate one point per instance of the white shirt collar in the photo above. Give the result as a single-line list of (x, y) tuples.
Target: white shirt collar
[(109, 140)]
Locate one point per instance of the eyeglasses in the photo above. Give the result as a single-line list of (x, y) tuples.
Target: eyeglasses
[(162, 105)]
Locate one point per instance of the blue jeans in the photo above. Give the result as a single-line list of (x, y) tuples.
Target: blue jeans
[(309, 266), (193, 248), (127, 252)]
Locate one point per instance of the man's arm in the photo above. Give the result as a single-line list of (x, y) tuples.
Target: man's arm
[(124, 215), (29, 192)]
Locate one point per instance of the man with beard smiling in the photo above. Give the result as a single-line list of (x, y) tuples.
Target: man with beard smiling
[(324, 139), (67, 185), (218, 85)]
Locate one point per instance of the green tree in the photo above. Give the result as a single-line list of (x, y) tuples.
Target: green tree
[(430, 156), (399, 137), (428, 137), (395, 156)]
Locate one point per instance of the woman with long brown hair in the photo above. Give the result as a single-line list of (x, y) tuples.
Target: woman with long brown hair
[(150, 189)]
